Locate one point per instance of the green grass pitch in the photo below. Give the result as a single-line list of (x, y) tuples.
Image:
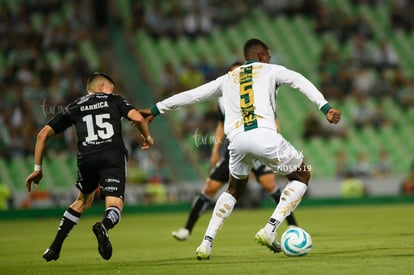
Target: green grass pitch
[(364, 239)]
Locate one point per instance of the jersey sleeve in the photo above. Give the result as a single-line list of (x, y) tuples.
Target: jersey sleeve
[(124, 106), (301, 83), (60, 122), (204, 92)]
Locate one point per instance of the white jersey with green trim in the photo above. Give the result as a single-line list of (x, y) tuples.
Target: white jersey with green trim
[(249, 95)]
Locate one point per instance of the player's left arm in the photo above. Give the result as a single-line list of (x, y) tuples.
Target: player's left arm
[(42, 137), (306, 87)]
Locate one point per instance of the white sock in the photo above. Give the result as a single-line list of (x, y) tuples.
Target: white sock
[(290, 198), (222, 210)]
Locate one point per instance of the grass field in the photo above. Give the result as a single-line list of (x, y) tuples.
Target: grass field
[(373, 239)]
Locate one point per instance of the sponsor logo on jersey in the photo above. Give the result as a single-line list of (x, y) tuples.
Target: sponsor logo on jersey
[(112, 180)]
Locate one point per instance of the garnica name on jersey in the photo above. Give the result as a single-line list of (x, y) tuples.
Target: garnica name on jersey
[(95, 106)]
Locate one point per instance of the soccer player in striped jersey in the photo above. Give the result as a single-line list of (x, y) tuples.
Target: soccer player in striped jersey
[(249, 96), (101, 159), (220, 175)]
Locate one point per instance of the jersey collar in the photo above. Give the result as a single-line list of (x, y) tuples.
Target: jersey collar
[(250, 62)]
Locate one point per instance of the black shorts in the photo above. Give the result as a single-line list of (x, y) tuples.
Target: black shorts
[(221, 172), (106, 169)]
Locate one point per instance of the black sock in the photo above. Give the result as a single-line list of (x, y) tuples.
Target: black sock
[(200, 204), (69, 219), (111, 217), (290, 219)]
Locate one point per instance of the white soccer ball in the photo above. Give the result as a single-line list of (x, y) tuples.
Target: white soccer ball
[(296, 242)]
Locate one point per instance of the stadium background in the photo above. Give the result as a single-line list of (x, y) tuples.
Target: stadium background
[(51, 46)]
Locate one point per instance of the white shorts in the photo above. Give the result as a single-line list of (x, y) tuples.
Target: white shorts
[(265, 145)]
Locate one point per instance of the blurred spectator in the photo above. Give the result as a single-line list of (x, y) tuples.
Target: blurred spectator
[(398, 82), (190, 77), (360, 52), (330, 59), (204, 66), (329, 130), (343, 167), (362, 168), (352, 187), (405, 96), (401, 15), (156, 21), (323, 20), (329, 86), (361, 113), (197, 21), (385, 56), (218, 68), (382, 86), (314, 126), (311, 127), (344, 83), (5, 196), (155, 192), (379, 118), (169, 80), (383, 167), (288, 7), (407, 185)]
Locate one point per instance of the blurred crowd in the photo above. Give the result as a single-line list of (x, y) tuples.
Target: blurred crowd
[(43, 64), (355, 65), (41, 69)]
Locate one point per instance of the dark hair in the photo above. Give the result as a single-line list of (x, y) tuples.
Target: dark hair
[(96, 75), (251, 45)]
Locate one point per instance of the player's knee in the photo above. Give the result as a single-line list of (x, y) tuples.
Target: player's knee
[(211, 187), (268, 182), (237, 186), (302, 174)]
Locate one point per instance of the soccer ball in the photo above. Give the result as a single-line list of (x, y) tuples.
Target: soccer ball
[(296, 242)]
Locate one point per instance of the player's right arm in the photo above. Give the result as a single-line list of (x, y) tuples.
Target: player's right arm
[(139, 121), (41, 141), (201, 93)]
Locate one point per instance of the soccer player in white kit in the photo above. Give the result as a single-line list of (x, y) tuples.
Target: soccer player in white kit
[(249, 97)]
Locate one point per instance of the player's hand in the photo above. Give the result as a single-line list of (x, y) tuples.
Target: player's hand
[(147, 114), (146, 142), (333, 116), (34, 177)]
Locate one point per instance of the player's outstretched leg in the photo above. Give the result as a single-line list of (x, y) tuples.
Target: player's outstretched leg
[(290, 219), (110, 218), (291, 197), (69, 219), (222, 210), (200, 204), (104, 245)]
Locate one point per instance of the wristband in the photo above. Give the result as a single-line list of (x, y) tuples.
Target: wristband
[(154, 110), (37, 167), (148, 138), (325, 108)]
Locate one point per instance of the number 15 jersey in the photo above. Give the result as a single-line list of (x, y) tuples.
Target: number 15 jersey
[(97, 120)]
